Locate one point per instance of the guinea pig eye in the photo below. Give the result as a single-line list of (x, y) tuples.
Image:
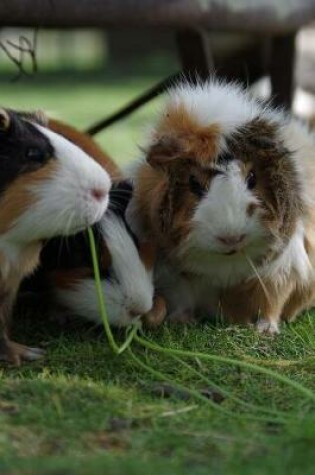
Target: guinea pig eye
[(196, 187), (35, 154), (251, 180)]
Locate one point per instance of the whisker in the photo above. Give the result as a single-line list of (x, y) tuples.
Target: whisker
[(61, 244), (119, 191), (117, 206), (68, 225), (254, 268)]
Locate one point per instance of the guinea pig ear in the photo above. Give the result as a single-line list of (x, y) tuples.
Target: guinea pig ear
[(5, 120), (163, 153)]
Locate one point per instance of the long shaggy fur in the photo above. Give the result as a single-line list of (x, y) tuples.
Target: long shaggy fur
[(226, 189)]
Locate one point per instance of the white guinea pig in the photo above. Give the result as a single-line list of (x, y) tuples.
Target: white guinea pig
[(126, 268), (48, 187), (227, 191)]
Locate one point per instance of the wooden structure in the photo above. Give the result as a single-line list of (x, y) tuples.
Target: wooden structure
[(274, 22)]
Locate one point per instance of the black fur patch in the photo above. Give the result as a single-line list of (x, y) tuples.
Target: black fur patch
[(74, 251), (119, 197), (23, 149)]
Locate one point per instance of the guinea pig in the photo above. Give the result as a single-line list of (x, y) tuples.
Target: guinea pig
[(227, 190), (48, 187), (126, 267)]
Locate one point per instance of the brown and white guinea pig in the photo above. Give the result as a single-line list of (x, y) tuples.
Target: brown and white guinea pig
[(126, 268), (48, 187), (227, 190)]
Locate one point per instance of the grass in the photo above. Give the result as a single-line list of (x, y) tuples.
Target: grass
[(83, 103), (84, 410)]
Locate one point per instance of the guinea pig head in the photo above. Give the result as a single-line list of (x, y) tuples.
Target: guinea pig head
[(127, 277), (218, 178), (48, 186), (252, 200), (130, 274)]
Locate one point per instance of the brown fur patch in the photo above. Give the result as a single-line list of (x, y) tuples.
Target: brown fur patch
[(164, 205), (18, 197), (155, 317), (181, 147), (246, 302), (105, 258), (86, 143), (13, 273), (66, 279), (147, 253), (303, 298), (251, 209), (259, 149), (192, 140), (246, 167)]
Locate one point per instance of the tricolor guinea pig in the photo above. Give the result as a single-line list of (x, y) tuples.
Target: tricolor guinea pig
[(48, 187), (227, 190), (126, 268)]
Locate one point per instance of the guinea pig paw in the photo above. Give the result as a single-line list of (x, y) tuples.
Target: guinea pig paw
[(14, 353), (267, 327), (155, 317)]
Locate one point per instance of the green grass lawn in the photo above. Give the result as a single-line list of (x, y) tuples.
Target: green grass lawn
[(84, 410), (83, 103)]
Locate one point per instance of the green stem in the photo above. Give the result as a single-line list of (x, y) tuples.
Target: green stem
[(157, 374), (196, 394), (101, 301), (222, 359), (281, 417)]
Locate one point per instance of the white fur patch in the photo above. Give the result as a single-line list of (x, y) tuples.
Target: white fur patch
[(64, 203), (223, 213), (130, 290), (82, 301), (268, 327), (218, 102), (292, 260)]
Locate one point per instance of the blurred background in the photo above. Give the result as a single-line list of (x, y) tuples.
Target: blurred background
[(84, 75)]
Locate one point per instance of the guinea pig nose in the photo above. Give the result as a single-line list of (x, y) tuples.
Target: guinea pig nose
[(98, 193), (229, 240)]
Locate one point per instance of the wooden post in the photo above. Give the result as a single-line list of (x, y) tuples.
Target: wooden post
[(195, 54), (281, 68)]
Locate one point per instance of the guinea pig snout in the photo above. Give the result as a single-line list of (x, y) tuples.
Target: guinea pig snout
[(99, 194), (137, 312), (94, 196), (232, 241)]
